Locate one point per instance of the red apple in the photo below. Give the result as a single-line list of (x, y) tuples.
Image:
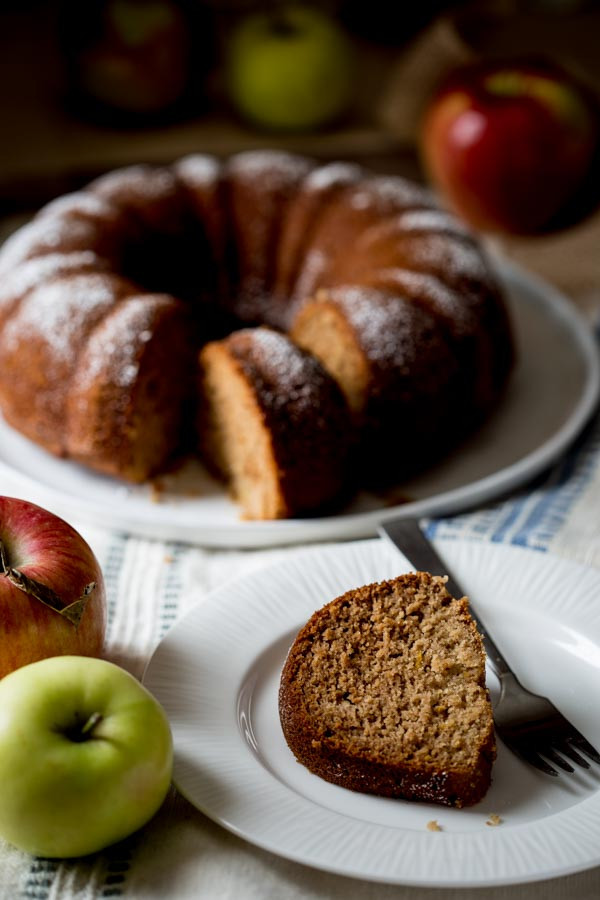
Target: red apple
[(512, 145), (52, 598), (135, 57)]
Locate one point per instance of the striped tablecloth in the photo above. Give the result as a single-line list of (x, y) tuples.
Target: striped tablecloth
[(150, 584)]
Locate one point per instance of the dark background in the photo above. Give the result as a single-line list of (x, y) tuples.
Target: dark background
[(55, 137)]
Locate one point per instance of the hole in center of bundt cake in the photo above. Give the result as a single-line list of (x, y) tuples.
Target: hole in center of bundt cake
[(181, 266), (165, 264)]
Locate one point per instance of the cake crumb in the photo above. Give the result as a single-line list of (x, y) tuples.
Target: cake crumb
[(169, 558), (494, 819), (156, 491), (433, 825)]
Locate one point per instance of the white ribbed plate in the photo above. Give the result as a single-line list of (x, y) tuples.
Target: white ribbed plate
[(551, 395), (217, 674)]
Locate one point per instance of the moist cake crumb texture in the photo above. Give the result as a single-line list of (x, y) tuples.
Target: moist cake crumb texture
[(384, 691)]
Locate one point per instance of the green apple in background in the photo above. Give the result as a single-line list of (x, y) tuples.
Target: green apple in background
[(85, 756), (290, 68)]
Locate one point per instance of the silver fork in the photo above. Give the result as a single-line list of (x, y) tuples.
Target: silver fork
[(530, 725)]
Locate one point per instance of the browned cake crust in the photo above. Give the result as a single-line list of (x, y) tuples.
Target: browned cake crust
[(392, 296), (57, 316), (257, 196), (123, 417), (416, 372), (383, 692), (318, 191)]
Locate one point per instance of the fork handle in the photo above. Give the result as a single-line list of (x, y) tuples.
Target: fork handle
[(406, 535)]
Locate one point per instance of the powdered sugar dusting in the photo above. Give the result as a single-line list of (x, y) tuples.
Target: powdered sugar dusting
[(387, 194), (384, 240), (81, 203), (425, 220), (60, 312), (296, 376), (198, 170), (385, 326), (114, 348), (46, 235), (453, 305), (325, 177), (280, 354), (145, 182), (275, 169), (313, 267), (455, 261), (32, 272)]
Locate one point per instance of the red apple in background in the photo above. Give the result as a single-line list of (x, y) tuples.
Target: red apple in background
[(133, 62), (512, 146), (52, 597), (139, 60)]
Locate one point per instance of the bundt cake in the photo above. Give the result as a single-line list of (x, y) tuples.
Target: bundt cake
[(383, 692), (391, 312)]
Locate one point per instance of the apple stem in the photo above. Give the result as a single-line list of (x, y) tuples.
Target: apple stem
[(280, 21), (91, 723)]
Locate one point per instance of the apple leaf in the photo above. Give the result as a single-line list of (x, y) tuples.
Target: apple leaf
[(72, 612)]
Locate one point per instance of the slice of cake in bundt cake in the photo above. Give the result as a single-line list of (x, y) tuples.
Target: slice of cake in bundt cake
[(273, 424), (123, 416), (359, 205), (57, 316), (165, 250), (23, 277), (315, 194), (201, 178), (64, 233), (429, 257), (258, 187), (383, 692), (398, 371)]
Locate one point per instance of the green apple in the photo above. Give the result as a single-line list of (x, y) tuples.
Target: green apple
[(290, 69), (85, 756)]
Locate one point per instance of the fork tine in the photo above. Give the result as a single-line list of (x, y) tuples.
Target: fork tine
[(569, 751), (582, 744), (531, 757), (558, 760)]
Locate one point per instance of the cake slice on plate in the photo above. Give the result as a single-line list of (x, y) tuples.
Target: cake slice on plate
[(383, 692)]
